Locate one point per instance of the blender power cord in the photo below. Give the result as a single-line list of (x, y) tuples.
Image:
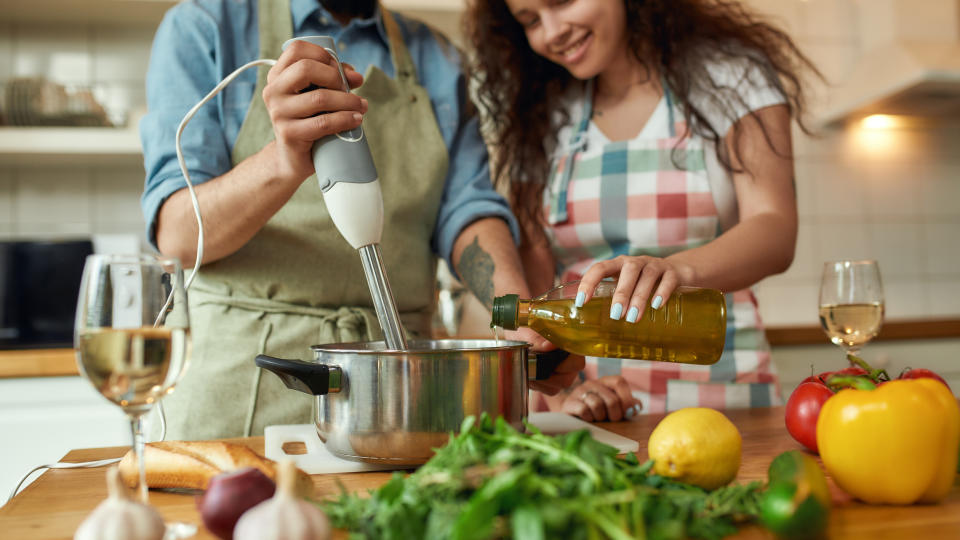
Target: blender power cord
[(196, 265)]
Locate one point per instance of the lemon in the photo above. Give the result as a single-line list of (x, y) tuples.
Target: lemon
[(696, 445)]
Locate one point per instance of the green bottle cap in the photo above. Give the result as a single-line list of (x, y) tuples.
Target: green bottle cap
[(505, 310)]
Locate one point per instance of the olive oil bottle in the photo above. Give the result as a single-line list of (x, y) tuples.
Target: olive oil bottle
[(690, 328)]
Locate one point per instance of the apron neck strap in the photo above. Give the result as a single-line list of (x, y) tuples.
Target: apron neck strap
[(578, 141), (276, 26), (402, 62), (578, 136), (671, 121)]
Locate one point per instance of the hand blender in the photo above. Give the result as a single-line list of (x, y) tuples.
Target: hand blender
[(351, 191)]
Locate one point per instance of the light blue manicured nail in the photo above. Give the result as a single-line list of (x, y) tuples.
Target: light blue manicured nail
[(616, 311), (657, 302), (633, 314), (581, 298), (632, 411)]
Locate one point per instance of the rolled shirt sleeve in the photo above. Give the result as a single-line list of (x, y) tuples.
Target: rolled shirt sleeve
[(187, 60), (468, 194)]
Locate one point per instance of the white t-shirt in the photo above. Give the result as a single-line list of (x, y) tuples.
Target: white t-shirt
[(738, 88)]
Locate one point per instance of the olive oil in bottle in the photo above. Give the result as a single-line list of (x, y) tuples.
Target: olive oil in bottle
[(690, 328)]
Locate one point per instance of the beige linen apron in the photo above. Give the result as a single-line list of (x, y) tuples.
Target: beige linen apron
[(298, 283)]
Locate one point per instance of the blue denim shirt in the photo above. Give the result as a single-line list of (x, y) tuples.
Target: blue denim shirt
[(199, 42)]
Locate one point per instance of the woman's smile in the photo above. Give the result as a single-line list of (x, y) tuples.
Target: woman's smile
[(583, 36), (576, 51)]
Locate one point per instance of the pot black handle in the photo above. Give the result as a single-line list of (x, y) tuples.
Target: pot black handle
[(547, 362), (306, 377)]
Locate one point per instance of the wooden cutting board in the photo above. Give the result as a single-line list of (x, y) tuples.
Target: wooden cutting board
[(316, 459)]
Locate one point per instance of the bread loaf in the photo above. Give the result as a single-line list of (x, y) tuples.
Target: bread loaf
[(191, 464)]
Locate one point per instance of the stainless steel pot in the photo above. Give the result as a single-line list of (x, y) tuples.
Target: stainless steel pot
[(378, 405)]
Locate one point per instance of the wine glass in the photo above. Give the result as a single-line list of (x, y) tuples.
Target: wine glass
[(851, 303), (132, 334)]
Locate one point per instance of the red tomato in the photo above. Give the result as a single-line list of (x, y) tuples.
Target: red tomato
[(822, 377), (802, 411), (921, 373)]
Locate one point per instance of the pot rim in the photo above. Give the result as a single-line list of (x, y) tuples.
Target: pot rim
[(416, 346)]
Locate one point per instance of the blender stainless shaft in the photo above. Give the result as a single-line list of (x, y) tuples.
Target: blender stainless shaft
[(382, 296)]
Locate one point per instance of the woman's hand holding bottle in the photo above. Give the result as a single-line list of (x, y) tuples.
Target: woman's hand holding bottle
[(563, 375), (642, 280)]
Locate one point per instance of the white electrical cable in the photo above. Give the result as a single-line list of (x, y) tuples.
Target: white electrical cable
[(196, 265), (183, 164)]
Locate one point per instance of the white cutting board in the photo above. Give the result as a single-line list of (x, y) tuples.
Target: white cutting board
[(318, 460)]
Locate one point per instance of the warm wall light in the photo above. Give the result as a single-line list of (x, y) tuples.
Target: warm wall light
[(879, 121)]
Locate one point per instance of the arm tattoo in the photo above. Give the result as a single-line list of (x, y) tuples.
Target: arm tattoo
[(476, 271)]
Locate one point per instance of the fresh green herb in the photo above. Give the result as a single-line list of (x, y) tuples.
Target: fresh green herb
[(492, 481)]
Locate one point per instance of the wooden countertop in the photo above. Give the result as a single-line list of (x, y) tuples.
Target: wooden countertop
[(38, 363), (53, 506)]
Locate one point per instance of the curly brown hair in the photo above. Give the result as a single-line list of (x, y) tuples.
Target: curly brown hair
[(520, 91)]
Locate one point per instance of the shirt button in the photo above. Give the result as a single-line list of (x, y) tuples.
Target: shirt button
[(342, 46)]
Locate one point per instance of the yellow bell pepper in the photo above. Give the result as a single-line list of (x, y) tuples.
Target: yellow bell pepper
[(895, 444)]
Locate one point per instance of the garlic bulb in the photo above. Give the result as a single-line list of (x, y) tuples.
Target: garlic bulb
[(284, 516), (119, 517)]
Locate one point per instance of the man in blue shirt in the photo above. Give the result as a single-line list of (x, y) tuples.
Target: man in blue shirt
[(276, 275)]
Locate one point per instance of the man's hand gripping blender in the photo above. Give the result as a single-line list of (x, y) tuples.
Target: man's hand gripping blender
[(351, 191)]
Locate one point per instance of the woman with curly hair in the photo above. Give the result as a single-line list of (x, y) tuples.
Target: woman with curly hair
[(647, 140)]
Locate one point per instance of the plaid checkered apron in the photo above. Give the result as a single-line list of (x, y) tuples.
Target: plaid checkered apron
[(652, 196)]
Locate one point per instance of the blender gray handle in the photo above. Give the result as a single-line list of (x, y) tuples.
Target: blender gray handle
[(344, 156), (306, 377), (546, 363)]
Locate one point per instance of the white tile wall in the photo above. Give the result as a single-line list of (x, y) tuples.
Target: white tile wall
[(943, 296), (899, 248), (942, 248), (940, 193), (7, 208), (54, 200), (120, 56), (114, 189), (891, 195), (6, 50), (784, 14), (61, 53), (826, 19)]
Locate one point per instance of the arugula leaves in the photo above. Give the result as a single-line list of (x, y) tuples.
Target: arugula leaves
[(492, 481)]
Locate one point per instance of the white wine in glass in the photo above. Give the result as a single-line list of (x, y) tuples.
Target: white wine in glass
[(132, 334), (851, 303)]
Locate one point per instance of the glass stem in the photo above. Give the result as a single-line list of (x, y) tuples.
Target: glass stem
[(136, 427)]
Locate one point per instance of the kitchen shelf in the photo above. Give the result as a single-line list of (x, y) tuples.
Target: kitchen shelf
[(87, 11), (931, 328), (73, 145)]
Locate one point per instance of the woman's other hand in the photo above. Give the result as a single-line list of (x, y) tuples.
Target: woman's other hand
[(607, 398), (563, 375), (641, 281), (306, 101)]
